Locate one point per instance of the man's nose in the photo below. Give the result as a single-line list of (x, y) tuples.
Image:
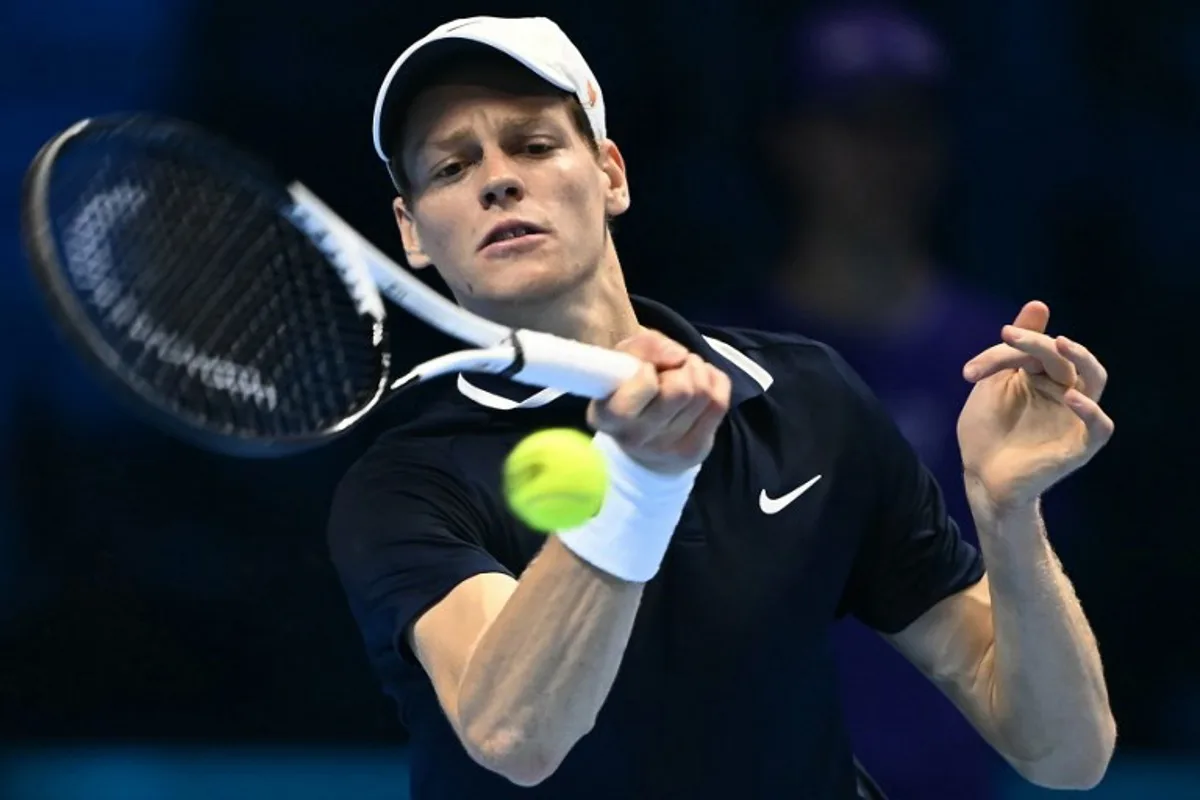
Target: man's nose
[(503, 185)]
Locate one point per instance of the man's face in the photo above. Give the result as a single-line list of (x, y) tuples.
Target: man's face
[(479, 157)]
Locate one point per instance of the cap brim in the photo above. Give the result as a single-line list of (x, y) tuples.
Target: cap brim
[(414, 75)]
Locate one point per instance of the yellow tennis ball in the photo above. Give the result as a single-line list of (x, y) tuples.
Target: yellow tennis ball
[(555, 479)]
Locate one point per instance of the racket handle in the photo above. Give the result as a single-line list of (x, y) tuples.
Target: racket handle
[(580, 369)]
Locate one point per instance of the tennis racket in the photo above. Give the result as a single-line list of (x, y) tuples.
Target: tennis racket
[(236, 309)]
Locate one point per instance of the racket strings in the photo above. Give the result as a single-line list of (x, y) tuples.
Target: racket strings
[(224, 310), (230, 297), (174, 280)]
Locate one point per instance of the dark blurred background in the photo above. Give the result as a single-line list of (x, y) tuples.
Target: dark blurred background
[(896, 185)]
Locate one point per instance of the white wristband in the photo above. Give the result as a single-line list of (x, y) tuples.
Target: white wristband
[(628, 538)]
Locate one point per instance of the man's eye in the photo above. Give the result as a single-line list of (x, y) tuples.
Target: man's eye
[(448, 170), (539, 148)]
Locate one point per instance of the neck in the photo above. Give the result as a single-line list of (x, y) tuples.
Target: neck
[(597, 310)]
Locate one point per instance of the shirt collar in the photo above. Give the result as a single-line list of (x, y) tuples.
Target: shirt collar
[(748, 378)]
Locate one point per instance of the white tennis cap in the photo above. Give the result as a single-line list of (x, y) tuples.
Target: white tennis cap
[(536, 42)]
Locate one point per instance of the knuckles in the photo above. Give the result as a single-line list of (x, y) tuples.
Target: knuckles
[(694, 384)]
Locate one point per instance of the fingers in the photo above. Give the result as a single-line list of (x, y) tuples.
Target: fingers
[(1033, 316), (1099, 425), (682, 397), (665, 418), (701, 391), (696, 441), (1049, 388), (671, 407), (657, 352), (654, 348), (1026, 347), (1042, 347), (629, 400), (1092, 374), (997, 359)]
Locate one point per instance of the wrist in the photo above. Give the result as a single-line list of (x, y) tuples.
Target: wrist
[(635, 477), (1008, 518), (987, 507), (629, 537)]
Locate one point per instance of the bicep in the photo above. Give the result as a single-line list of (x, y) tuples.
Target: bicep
[(444, 636), (409, 541), (952, 644)]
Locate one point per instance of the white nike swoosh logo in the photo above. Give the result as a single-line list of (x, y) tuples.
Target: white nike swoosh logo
[(773, 505)]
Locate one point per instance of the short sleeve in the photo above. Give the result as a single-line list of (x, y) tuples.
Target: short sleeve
[(404, 529), (913, 554)]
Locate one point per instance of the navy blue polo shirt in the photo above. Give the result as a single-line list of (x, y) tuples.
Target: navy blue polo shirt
[(727, 687)]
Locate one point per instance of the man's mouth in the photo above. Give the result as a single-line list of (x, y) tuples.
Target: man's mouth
[(507, 231)]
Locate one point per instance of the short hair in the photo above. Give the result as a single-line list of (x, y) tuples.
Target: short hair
[(490, 69)]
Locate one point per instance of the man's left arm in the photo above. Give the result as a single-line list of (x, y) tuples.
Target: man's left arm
[(1014, 651), (1016, 655)]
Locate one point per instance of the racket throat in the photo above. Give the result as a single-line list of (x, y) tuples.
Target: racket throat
[(518, 359)]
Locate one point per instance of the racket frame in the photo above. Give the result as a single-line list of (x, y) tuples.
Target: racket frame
[(531, 357), (76, 325)]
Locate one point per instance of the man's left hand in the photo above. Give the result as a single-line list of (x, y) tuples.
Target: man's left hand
[(1033, 416)]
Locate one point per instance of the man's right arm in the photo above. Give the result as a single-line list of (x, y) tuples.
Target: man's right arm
[(522, 667)]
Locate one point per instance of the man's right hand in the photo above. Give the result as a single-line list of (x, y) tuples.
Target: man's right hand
[(666, 416)]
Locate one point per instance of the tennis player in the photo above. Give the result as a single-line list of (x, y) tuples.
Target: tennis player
[(676, 645)]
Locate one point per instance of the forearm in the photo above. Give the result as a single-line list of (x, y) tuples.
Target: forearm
[(541, 671), (1046, 691), (538, 675)]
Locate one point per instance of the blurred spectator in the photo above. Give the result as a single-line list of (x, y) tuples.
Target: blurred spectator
[(860, 145)]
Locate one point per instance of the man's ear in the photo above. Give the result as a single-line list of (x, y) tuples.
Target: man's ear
[(612, 163), (413, 253)]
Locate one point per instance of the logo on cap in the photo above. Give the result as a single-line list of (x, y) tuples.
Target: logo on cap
[(592, 95)]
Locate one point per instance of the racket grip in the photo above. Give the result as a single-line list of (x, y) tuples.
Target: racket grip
[(580, 369)]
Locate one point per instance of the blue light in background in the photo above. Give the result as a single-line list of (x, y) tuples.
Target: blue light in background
[(246, 773), (1128, 778), (147, 773)]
